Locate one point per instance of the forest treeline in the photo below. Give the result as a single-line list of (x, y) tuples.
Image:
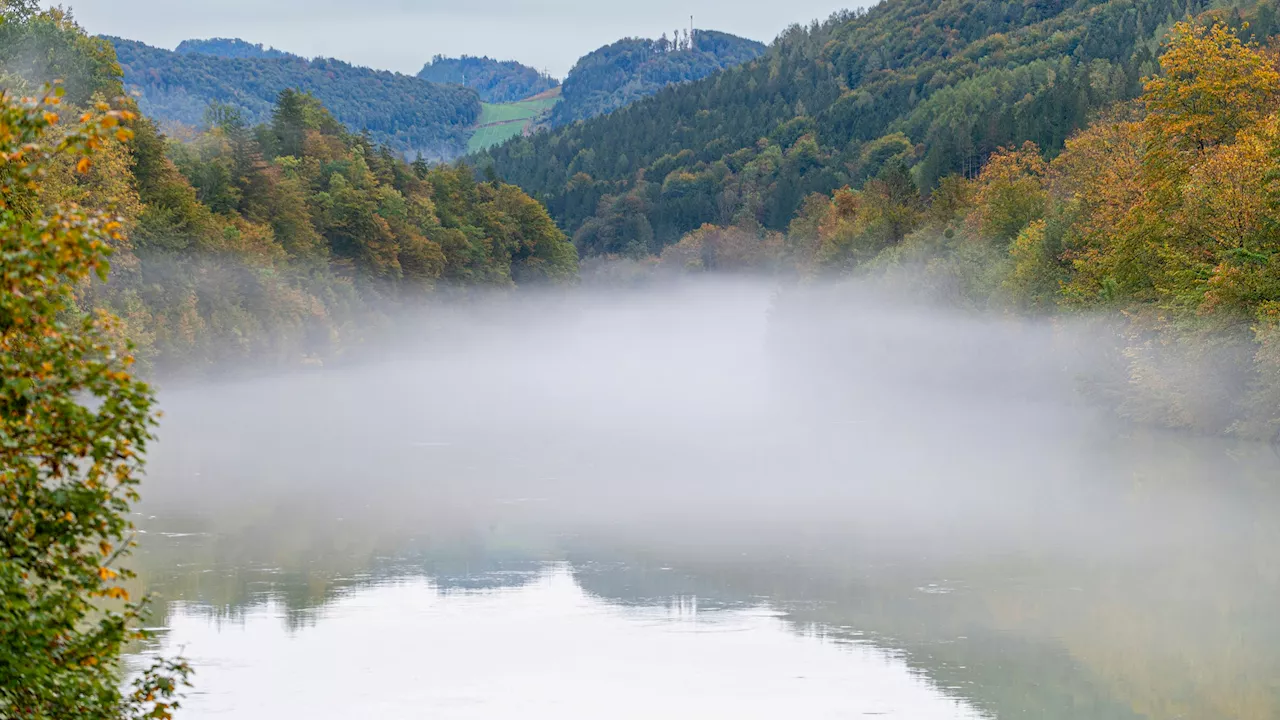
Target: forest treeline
[(269, 241), (618, 74), (1158, 223), (941, 85), (497, 81), (408, 114), (229, 48)]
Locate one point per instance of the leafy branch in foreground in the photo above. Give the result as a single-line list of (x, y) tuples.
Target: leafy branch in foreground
[(73, 426)]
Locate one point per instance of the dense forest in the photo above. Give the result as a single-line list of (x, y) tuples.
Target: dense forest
[(230, 48), (632, 68), (273, 241), (496, 81), (939, 85), (408, 114)]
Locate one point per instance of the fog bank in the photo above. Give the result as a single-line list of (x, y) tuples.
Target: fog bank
[(712, 410)]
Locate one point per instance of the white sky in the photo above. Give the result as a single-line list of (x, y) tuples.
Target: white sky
[(404, 34)]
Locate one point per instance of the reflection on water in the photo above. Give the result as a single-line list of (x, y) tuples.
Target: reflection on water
[(321, 617), (538, 647), (523, 525)]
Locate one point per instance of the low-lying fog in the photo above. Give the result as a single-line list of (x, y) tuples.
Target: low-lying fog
[(713, 410)]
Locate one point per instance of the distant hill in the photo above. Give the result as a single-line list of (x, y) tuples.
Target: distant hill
[(230, 48), (619, 74), (406, 113), (497, 81)]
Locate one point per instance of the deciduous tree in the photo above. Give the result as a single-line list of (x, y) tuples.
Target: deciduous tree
[(73, 426)]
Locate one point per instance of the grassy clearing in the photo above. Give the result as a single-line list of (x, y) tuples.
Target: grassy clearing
[(490, 114), (499, 123), (489, 135)]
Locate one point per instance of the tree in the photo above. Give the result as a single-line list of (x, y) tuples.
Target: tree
[(893, 203), (73, 426), (1213, 86), (288, 122), (724, 249), (1036, 272), (1099, 180), (1011, 192), (18, 10)]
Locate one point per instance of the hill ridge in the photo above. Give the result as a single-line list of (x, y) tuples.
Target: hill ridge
[(408, 114)]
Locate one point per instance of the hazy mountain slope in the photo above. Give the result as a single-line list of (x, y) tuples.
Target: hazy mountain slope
[(496, 81), (404, 112)]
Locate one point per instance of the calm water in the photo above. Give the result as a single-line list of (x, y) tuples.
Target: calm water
[(535, 643), (514, 533)]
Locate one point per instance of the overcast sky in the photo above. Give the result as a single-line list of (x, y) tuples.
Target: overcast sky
[(403, 34)]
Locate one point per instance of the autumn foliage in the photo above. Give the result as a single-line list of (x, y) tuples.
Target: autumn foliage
[(73, 426)]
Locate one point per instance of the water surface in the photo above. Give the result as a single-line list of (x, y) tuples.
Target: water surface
[(535, 645), (683, 509)]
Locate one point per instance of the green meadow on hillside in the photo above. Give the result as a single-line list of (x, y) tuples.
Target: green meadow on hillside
[(499, 123)]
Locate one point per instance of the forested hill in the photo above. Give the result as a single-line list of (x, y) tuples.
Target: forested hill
[(403, 112), (230, 48), (619, 74), (497, 81), (270, 243), (936, 85)]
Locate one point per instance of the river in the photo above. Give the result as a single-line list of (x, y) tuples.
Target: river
[(635, 509)]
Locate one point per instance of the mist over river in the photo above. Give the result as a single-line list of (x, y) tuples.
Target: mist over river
[(707, 500)]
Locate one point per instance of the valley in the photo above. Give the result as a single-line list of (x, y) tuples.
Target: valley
[(923, 363)]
